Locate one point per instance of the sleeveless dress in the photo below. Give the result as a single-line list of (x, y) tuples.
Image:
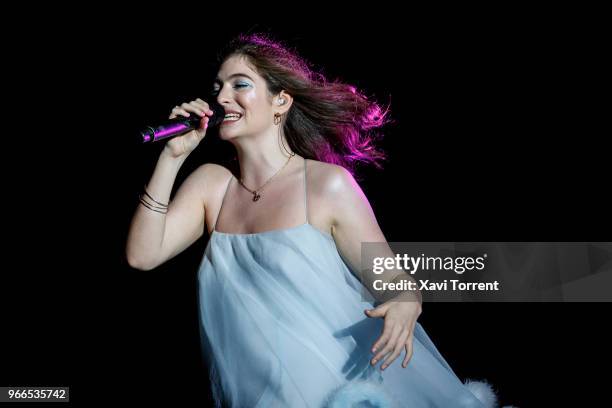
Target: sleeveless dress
[(282, 325)]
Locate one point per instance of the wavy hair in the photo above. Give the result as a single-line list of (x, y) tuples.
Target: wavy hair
[(328, 121)]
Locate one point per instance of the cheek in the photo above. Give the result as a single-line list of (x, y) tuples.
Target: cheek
[(255, 105), (250, 101), (249, 97)]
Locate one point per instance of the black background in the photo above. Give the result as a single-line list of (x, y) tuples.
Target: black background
[(496, 138)]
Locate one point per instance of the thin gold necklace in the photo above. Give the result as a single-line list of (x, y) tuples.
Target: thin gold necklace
[(256, 192)]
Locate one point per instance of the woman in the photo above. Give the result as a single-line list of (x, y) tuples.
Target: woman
[(282, 314)]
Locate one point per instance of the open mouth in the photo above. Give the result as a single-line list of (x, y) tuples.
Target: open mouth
[(232, 117)]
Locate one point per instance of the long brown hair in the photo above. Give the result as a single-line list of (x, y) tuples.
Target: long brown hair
[(328, 121)]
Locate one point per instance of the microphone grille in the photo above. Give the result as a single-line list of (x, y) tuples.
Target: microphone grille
[(218, 114)]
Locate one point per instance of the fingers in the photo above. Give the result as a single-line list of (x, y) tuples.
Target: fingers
[(203, 106), (376, 312), (177, 110), (394, 338), (397, 348), (201, 132), (387, 342), (198, 107), (384, 337), (192, 108), (379, 311), (409, 350), (399, 325)]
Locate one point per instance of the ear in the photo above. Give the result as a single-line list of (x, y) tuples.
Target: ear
[(282, 102)]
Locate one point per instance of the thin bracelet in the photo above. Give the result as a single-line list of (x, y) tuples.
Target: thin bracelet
[(142, 198), (150, 207), (160, 207), (154, 200)]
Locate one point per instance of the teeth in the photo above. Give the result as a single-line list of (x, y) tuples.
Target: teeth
[(232, 115)]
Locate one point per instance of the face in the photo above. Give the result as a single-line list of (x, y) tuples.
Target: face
[(240, 90)]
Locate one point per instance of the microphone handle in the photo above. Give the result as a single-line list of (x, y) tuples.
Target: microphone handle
[(181, 125), (173, 127)]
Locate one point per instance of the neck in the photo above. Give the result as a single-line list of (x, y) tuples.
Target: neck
[(260, 158)]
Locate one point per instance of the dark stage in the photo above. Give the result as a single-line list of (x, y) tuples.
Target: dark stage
[(494, 138)]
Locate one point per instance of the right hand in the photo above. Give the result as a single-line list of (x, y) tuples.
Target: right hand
[(184, 144)]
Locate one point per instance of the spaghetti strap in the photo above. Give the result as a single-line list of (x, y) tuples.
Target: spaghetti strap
[(305, 193), (222, 201)]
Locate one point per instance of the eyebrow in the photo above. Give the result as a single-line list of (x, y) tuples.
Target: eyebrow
[(218, 80)]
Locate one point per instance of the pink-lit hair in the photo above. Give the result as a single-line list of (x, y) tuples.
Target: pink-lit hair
[(328, 121)]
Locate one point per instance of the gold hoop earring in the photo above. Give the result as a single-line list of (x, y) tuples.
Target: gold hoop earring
[(277, 118)]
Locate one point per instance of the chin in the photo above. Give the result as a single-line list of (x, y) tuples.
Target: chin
[(233, 132), (224, 134)]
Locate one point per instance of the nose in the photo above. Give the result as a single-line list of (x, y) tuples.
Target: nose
[(223, 97)]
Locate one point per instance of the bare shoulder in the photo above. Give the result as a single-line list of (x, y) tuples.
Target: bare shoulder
[(329, 179), (211, 179), (213, 172), (336, 195)]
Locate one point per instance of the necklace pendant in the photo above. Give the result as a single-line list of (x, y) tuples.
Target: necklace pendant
[(256, 196)]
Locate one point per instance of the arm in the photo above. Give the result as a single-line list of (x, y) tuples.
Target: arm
[(353, 222), (155, 238)]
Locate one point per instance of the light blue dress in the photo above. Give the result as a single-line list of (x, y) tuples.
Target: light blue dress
[(283, 325)]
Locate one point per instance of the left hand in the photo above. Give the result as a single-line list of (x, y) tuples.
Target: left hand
[(400, 319)]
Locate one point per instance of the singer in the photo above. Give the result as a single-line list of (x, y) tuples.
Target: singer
[(283, 320)]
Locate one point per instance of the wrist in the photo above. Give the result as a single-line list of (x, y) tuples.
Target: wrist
[(168, 156), (409, 294)]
